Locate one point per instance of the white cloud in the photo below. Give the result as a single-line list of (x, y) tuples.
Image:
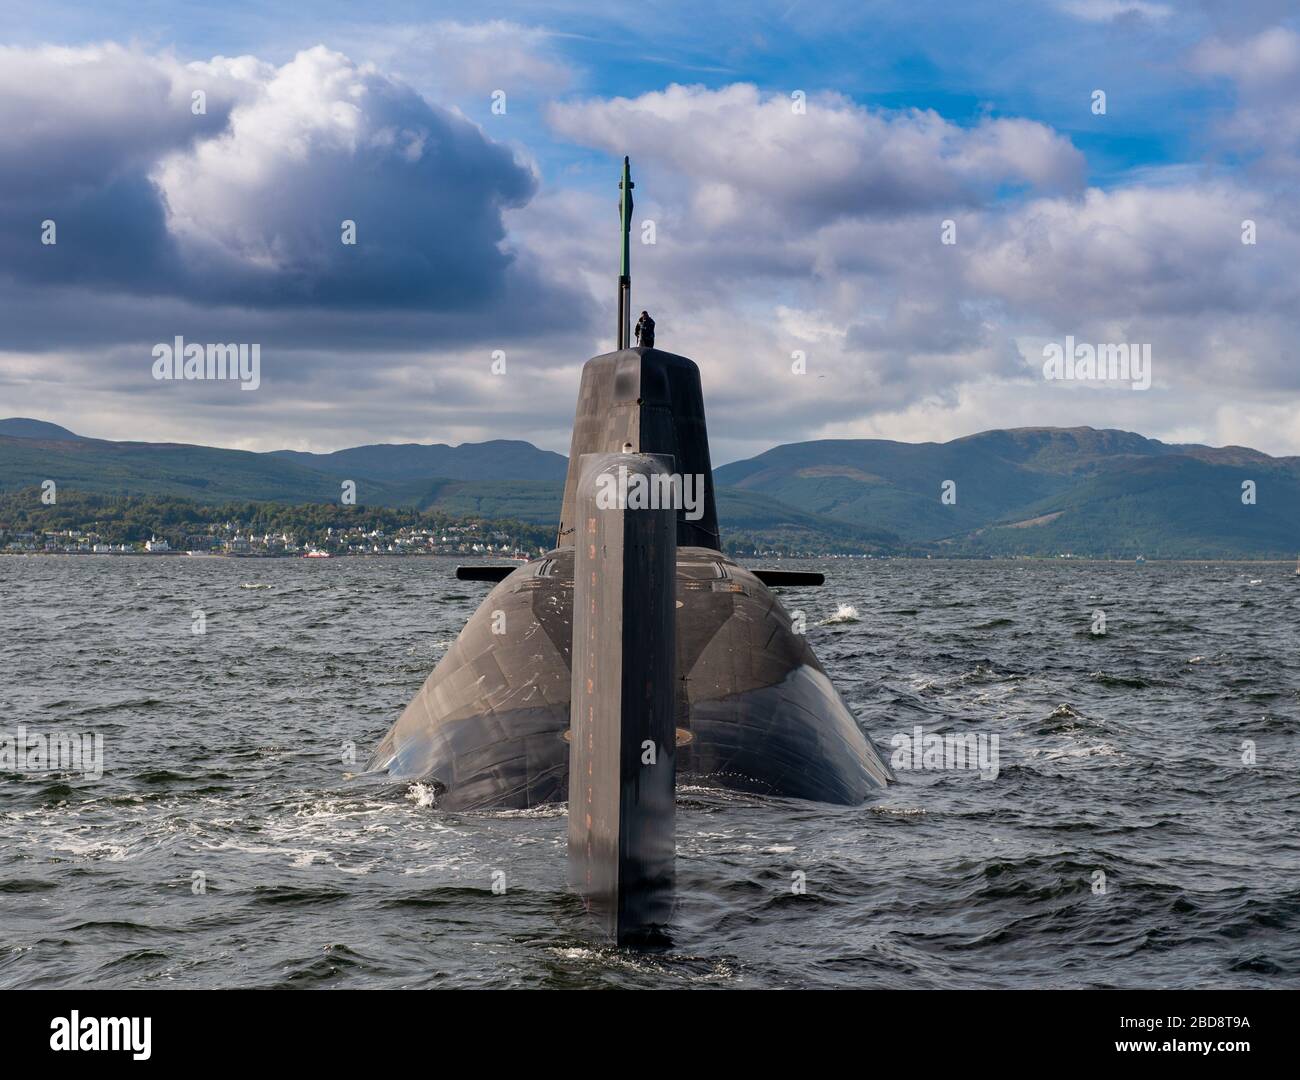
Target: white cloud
[(1268, 59), (244, 203), (752, 160), (325, 141), (225, 226), (775, 233), (1265, 69), (72, 117), (454, 60)]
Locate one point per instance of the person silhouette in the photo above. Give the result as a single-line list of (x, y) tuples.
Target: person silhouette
[(645, 330)]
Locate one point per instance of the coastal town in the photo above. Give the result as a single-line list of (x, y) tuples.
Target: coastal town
[(233, 539)]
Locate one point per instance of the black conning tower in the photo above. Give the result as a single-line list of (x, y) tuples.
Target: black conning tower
[(652, 400)]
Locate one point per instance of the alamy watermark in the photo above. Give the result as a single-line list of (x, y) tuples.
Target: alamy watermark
[(1107, 362), (657, 491), (131, 1034), (61, 752), (934, 752), (212, 362)]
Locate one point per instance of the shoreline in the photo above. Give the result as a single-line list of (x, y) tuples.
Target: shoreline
[(522, 560), (277, 558)]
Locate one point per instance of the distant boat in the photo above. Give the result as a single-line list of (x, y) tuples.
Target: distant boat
[(1297, 565), (1142, 558), (317, 555)]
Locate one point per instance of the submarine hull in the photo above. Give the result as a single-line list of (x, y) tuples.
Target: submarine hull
[(755, 711)]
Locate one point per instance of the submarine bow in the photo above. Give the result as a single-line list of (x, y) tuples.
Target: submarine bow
[(755, 711)]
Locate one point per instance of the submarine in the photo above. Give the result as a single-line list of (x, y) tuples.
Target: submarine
[(635, 641)]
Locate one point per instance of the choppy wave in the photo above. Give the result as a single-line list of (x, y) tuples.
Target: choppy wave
[(1140, 831)]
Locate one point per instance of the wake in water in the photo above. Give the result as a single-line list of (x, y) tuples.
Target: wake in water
[(845, 613)]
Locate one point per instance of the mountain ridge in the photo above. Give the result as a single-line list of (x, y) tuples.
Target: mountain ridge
[(1032, 490)]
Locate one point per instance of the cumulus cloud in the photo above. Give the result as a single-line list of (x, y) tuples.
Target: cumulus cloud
[(225, 225), (1137, 249), (245, 204), (79, 131), (70, 118), (327, 141), (832, 220), (822, 234), (757, 159), (777, 232)]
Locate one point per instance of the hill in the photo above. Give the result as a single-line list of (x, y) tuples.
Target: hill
[(1022, 491), (1042, 491)]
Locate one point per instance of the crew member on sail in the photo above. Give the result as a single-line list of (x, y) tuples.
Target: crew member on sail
[(645, 330)]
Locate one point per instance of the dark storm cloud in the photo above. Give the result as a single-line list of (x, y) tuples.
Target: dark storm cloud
[(245, 204)]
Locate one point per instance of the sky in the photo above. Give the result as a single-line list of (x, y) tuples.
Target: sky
[(871, 219)]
